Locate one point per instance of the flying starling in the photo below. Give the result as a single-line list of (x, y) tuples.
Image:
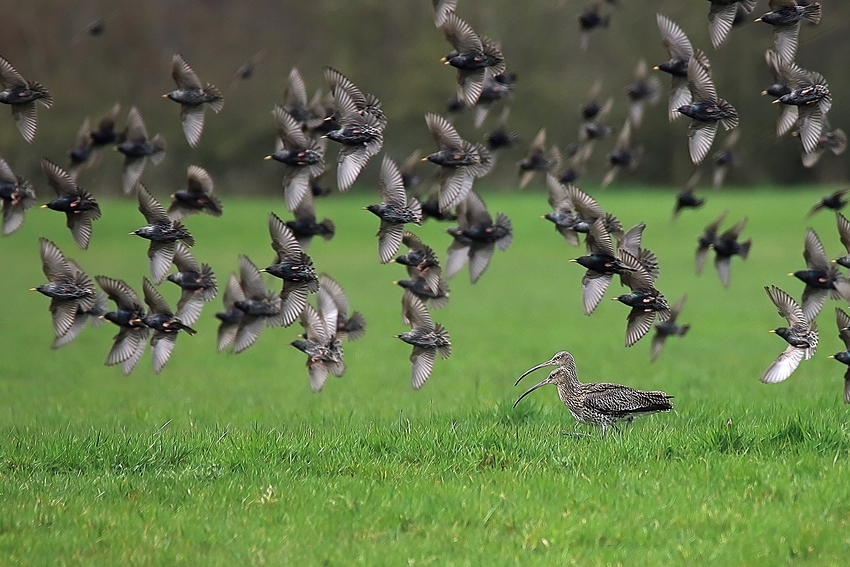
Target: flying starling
[(164, 324), (590, 19), (197, 197), (442, 9), (231, 316), (136, 149), (460, 161), (105, 134), (296, 105), (785, 17), (645, 301), (623, 156), (70, 290), (427, 339), (726, 246), (394, 210), (679, 48), (538, 159), (162, 232), (843, 322), (706, 241), (706, 110), (193, 98), (16, 196), (305, 226), (247, 69), (834, 141), (834, 201), (725, 158), (303, 157), (474, 58), (79, 206), (500, 137), (80, 153), (436, 298), (421, 261), (821, 277), (197, 282), (800, 334), (260, 307), (294, 267), (668, 328), (721, 16), (476, 237), (601, 262), (331, 296), (781, 71), (129, 344), (810, 94), (321, 345), (494, 89), (21, 95), (844, 236), (644, 89), (686, 198)]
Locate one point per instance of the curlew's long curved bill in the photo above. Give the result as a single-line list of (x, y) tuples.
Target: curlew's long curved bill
[(530, 370), (544, 382)]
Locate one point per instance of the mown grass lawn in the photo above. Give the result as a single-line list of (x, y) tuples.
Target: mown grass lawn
[(231, 460)]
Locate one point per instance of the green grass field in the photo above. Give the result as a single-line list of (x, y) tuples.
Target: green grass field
[(231, 460)]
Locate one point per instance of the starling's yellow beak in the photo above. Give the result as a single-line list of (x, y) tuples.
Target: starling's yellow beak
[(772, 331), (424, 159), (571, 259), (267, 158), (395, 282), (43, 207), (757, 20), (830, 356), (790, 273), (33, 289), (775, 101), (655, 68), (165, 96)]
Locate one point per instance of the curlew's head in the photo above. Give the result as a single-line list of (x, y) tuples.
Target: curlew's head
[(563, 360)]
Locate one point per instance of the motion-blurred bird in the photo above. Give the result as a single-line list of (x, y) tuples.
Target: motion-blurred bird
[(321, 345), (722, 15), (436, 298), (474, 57), (822, 278), (16, 197), (706, 241), (476, 238), (231, 316), (834, 141), (623, 156), (348, 327), (22, 95), (79, 206), (395, 210), (644, 89), (538, 159), (726, 246), (668, 328), (428, 340), (460, 161), (500, 137), (197, 197), (590, 19), (303, 157), (801, 336), (193, 96), (785, 17), (442, 8), (162, 232), (305, 226), (294, 267), (844, 235), (136, 149), (725, 158), (197, 283), (686, 198), (834, 202), (105, 133), (495, 88), (260, 307), (247, 69), (129, 344), (164, 325), (81, 151), (679, 48), (843, 322), (421, 261), (706, 110)]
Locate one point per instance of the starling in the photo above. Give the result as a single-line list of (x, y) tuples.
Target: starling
[(192, 97), (623, 156), (164, 325), (590, 19), (721, 16), (494, 89), (725, 158), (476, 237), (585, 212), (394, 210), (706, 110), (538, 159), (844, 236), (644, 89), (81, 151), (231, 317), (785, 17), (474, 58), (197, 282), (436, 298), (296, 104), (602, 262), (781, 79), (630, 245), (303, 157), (409, 179), (726, 246), (421, 261), (563, 210), (247, 69), (305, 226), (706, 241), (128, 345), (21, 95), (197, 197), (332, 297), (16, 196), (431, 209), (361, 133), (834, 141), (79, 206), (442, 8), (162, 232), (501, 137), (105, 134), (460, 161), (364, 103), (136, 149), (810, 94), (294, 267), (644, 299), (822, 278), (70, 290), (321, 345), (801, 336), (260, 307), (834, 202), (668, 328), (843, 322), (686, 198), (679, 48), (427, 339)]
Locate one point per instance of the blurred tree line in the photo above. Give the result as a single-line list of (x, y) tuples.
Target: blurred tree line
[(392, 49)]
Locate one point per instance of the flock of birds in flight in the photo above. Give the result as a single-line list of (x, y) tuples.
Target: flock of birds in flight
[(354, 120)]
